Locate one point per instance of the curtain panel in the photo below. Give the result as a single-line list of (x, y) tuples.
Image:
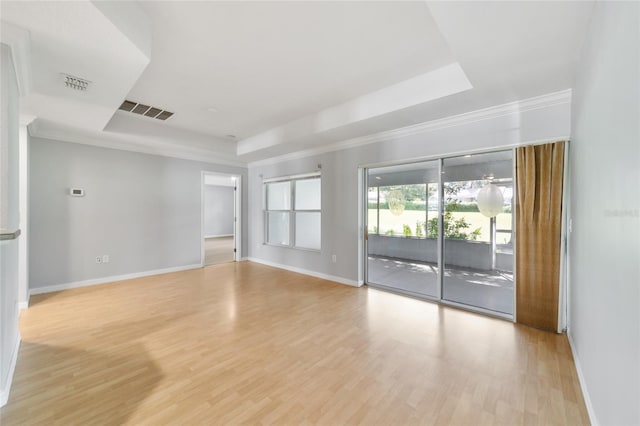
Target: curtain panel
[(539, 180)]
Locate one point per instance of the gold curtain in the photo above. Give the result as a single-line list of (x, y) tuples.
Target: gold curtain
[(539, 176)]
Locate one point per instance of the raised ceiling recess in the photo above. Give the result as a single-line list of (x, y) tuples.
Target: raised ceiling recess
[(284, 77)]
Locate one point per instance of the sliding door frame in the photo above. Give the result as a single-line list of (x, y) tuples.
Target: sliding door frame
[(565, 229), (364, 219), (563, 308), (440, 242)]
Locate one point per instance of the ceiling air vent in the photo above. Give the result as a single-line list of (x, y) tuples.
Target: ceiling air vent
[(146, 110), (75, 83)]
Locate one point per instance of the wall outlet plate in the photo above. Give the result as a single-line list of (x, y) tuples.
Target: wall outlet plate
[(76, 192)]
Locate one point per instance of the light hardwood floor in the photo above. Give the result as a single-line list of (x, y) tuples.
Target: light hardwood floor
[(242, 343), (218, 250)]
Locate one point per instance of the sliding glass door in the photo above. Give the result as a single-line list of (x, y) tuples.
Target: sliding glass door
[(478, 248), (459, 251), (402, 227)]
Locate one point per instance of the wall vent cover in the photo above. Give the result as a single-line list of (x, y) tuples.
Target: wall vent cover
[(75, 83), (146, 110)]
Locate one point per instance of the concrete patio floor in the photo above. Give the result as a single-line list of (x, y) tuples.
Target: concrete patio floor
[(491, 290)]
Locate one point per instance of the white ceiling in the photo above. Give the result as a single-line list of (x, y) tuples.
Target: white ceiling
[(79, 39), (267, 63), (281, 76)]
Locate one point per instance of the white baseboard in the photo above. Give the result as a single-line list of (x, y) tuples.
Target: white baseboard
[(4, 393), (23, 305), (583, 384), (218, 236), (103, 280), (340, 280)]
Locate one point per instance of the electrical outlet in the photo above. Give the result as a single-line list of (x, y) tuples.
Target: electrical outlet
[(105, 258), (98, 259), (334, 258)]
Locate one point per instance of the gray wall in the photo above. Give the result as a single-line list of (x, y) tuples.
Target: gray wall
[(604, 315), (142, 210), (340, 233), (218, 210), (9, 335)]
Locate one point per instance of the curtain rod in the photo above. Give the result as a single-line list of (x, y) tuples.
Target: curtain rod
[(292, 177)]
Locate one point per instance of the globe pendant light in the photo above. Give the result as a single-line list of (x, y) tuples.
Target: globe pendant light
[(396, 202), (490, 200)]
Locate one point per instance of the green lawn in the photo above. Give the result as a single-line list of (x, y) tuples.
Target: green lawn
[(409, 217)]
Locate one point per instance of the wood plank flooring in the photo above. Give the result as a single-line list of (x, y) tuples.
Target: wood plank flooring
[(242, 343), (218, 250)]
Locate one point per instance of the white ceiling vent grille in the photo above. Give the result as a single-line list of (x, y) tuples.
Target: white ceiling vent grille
[(146, 110), (75, 83)]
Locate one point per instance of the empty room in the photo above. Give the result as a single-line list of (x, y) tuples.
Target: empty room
[(312, 212)]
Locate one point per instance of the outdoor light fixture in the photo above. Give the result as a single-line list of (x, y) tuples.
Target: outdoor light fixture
[(490, 199), (396, 202)]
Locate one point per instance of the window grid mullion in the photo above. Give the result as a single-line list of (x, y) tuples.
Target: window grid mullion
[(292, 211)]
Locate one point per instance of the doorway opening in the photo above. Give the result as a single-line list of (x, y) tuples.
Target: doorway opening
[(220, 223)]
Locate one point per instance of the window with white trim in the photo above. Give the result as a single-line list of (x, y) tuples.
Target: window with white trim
[(292, 212)]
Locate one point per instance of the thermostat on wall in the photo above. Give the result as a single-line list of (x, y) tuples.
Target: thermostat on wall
[(76, 192)]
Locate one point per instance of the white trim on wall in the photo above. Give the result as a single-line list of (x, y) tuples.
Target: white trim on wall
[(23, 202), (583, 384), (363, 225), (315, 274), (237, 214), (564, 241), (162, 149), (517, 107), (4, 393), (218, 236), (104, 280)]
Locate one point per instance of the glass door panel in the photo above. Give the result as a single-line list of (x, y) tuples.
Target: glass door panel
[(477, 224), (402, 216)]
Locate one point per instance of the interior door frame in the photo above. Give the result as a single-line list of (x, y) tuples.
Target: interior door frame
[(237, 213)]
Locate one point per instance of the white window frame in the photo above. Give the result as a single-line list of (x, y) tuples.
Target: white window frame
[(291, 211)]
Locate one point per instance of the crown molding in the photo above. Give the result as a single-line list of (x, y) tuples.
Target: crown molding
[(26, 119), (516, 107), (153, 148), (207, 156)]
